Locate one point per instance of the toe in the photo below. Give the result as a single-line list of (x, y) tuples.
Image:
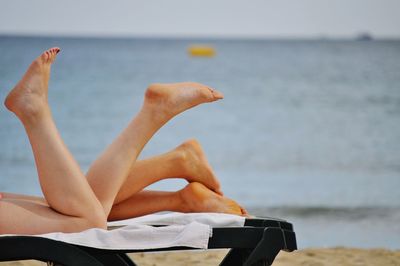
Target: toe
[(46, 56), (217, 95), (244, 211), (53, 57), (54, 51)]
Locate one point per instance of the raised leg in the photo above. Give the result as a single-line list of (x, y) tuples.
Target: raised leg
[(162, 102), (187, 161), (195, 197), (64, 186)]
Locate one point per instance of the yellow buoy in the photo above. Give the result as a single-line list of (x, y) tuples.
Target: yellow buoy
[(201, 50)]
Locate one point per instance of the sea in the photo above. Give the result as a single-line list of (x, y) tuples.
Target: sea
[(308, 131)]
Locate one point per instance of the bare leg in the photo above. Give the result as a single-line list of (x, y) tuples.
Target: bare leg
[(24, 216), (187, 161), (64, 185), (195, 197), (34, 199), (162, 102)]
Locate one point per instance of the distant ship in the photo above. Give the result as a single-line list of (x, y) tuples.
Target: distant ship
[(201, 50), (364, 37)]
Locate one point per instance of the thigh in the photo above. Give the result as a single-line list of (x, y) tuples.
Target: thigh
[(24, 216), (36, 199)]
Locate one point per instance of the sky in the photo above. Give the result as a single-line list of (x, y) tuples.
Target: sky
[(206, 18)]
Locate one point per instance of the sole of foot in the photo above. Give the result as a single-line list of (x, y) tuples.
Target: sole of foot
[(196, 167), (168, 100), (198, 198)]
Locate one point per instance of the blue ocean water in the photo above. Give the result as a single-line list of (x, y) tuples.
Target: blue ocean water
[(308, 130)]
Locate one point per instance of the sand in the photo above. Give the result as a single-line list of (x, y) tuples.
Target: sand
[(306, 257)]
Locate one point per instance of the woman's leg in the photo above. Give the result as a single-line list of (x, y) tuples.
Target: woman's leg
[(64, 186), (187, 161), (195, 197), (30, 216), (162, 102), (34, 199)]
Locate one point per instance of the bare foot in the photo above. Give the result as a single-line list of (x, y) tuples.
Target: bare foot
[(198, 198), (168, 100), (28, 99), (196, 167)]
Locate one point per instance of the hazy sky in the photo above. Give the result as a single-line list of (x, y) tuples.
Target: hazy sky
[(247, 18)]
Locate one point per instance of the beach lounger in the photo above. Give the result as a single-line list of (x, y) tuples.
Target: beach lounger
[(257, 242)]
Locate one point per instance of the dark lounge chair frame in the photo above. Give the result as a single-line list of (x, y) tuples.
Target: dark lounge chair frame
[(257, 243)]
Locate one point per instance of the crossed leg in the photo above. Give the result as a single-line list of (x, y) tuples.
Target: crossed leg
[(186, 161), (162, 102), (74, 206), (195, 197), (75, 202)]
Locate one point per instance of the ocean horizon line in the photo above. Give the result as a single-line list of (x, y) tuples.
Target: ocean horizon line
[(343, 212), (197, 38)]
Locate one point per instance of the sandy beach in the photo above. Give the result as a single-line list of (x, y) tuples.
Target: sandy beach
[(314, 257)]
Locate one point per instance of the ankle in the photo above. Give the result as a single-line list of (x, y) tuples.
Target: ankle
[(32, 116), (185, 204), (179, 157), (152, 113), (27, 107)]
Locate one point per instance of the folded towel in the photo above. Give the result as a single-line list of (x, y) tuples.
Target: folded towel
[(170, 218), (138, 237), (184, 230)]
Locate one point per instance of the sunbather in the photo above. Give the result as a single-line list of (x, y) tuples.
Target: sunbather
[(113, 187)]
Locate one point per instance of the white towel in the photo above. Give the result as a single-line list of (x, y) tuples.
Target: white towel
[(187, 230), (195, 235), (170, 218)]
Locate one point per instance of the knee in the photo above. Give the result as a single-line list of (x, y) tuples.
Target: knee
[(97, 219), (90, 215), (93, 217)]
